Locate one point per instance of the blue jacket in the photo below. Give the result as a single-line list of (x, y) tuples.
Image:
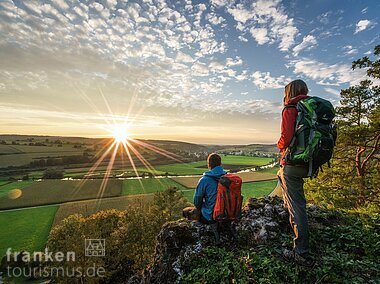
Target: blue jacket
[(205, 193)]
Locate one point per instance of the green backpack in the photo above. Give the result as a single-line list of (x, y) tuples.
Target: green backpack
[(315, 135)]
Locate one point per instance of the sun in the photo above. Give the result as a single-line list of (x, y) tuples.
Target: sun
[(120, 133)]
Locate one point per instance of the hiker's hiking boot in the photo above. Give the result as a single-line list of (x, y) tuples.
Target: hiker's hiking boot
[(304, 260)]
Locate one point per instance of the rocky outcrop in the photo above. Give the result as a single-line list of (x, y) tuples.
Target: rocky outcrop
[(261, 221)]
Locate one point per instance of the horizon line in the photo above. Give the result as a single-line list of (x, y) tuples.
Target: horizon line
[(149, 139)]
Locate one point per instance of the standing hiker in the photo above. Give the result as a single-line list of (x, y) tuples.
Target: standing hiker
[(291, 176)]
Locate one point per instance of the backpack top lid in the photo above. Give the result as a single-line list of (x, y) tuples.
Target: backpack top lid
[(323, 109), (231, 181)]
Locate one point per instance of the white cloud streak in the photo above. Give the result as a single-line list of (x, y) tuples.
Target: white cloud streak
[(269, 22), (308, 41), (363, 25), (264, 80), (325, 74)]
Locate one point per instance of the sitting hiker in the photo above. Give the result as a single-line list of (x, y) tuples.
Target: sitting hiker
[(205, 193), (211, 206)]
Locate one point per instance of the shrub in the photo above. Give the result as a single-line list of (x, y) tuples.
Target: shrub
[(129, 236), (53, 174)]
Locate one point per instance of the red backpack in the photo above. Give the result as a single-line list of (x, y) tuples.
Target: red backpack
[(228, 199)]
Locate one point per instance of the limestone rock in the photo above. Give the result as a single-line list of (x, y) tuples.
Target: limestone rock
[(261, 220)]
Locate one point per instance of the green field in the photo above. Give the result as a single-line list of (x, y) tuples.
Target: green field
[(189, 194), (26, 229), (228, 161), (5, 188), (19, 155), (148, 185), (257, 188), (273, 170), (88, 207), (245, 160), (59, 191), (194, 168), (249, 189), (132, 193), (192, 181)]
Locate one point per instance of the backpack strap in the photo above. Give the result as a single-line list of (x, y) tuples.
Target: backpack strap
[(225, 182), (287, 151), (289, 106), (286, 107)]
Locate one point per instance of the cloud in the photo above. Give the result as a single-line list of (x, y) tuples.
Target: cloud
[(264, 80), (268, 21), (332, 91), (216, 66), (61, 4), (200, 69), (220, 3), (133, 10), (214, 19), (363, 25), (173, 48), (183, 57), (242, 76), (21, 80), (325, 74), (176, 56), (247, 106), (243, 39), (260, 35), (234, 62), (349, 50), (308, 41), (324, 18), (240, 14), (33, 6)]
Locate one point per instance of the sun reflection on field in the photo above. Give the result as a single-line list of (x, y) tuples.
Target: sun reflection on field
[(14, 193)]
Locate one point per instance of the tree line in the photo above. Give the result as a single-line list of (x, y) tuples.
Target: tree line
[(353, 181)]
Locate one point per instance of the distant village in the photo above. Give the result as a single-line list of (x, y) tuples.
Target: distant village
[(250, 153)]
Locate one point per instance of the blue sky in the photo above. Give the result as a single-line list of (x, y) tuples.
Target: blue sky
[(199, 71)]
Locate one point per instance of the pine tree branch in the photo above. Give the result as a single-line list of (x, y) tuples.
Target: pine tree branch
[(374, 150), (360, 150)]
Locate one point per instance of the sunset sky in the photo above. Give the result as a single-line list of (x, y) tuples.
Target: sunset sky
[(199, 71)]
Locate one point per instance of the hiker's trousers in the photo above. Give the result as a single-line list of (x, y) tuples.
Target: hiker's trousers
[(291, 180)]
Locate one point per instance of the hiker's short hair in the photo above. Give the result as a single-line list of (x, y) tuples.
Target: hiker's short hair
[(293, 89), (214, 160)]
